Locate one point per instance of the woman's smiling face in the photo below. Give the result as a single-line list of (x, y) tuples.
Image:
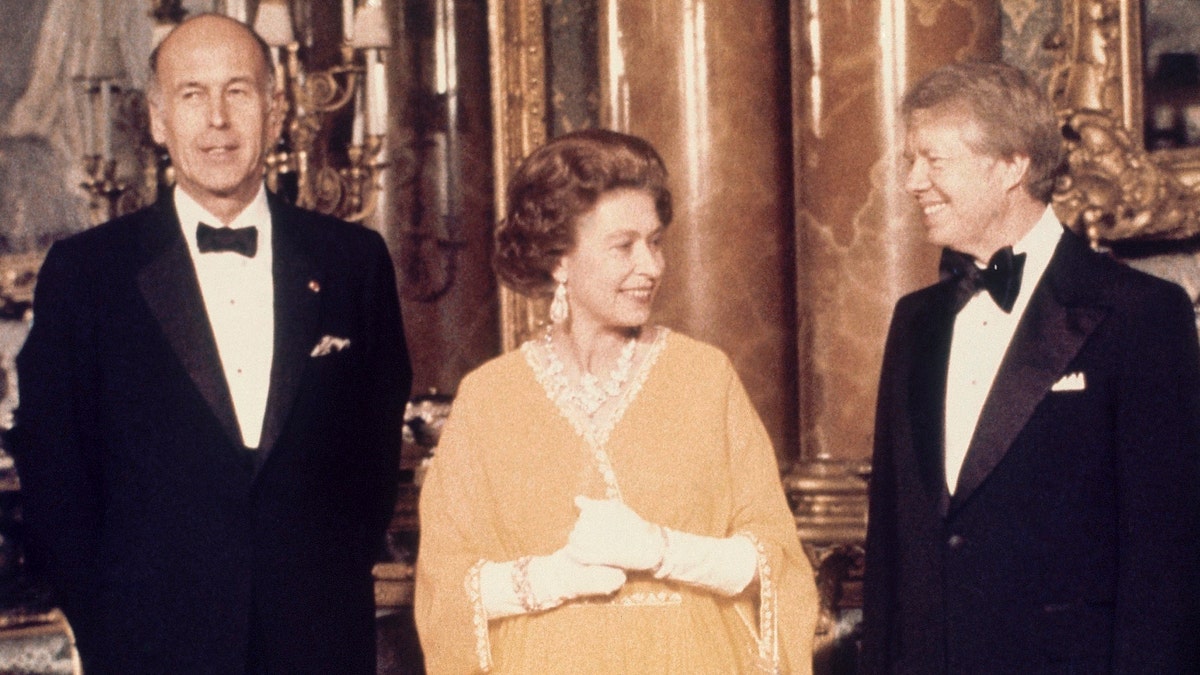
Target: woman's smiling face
[(613, 271)]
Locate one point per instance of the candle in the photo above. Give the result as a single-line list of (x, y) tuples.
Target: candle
[(348, 20), (106, 121), (377, 104), (356, 137), (89, 124)]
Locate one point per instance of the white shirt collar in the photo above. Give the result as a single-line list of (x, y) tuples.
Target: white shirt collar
[(1038, 245), (1042, 237)]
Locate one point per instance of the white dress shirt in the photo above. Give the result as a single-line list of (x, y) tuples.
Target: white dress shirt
[(239, 297), (982, 333)]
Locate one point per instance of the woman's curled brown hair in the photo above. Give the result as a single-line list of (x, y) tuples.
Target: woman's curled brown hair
[(555, 185)]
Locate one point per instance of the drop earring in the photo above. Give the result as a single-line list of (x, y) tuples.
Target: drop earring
[(559, 308)]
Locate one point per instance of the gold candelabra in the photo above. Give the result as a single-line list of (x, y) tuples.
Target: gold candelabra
[(350, 191), (102, 79)]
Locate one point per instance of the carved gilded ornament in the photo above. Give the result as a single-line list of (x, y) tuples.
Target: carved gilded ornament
[(1113, 189), (518, 48)]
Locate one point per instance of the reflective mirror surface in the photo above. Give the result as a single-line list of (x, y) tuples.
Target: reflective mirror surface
[(1171, 73)]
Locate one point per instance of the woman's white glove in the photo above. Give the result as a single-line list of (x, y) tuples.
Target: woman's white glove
[(609, 533), (550, 580), (725, 565)]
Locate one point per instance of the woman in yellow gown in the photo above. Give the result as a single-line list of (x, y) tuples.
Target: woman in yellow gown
[(605, 499)]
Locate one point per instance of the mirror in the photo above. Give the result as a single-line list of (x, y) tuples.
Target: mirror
[(1171, 73), (1115, 188)]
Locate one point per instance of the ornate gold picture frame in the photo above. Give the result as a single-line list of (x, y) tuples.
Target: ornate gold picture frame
[(1115, 190), (518, 49)]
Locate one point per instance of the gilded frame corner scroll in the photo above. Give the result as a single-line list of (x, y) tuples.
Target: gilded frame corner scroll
[(1113, 189), (518, 65)]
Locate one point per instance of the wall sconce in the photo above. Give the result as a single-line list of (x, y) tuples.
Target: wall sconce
[(349, 192), (103, 81)]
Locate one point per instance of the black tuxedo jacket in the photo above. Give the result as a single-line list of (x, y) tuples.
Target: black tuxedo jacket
[(172, 548), (1072, 540)]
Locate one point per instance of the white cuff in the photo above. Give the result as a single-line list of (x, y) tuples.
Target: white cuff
[(496, 590), (537, 583)]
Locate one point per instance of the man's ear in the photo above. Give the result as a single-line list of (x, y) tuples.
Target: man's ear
[(560, 271), (1016, 170)]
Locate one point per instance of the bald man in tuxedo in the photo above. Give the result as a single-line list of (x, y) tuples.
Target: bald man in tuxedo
[(211, 401)]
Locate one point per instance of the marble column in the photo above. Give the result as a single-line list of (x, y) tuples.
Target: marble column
[(706, 83), (859, 244), (859, 248)]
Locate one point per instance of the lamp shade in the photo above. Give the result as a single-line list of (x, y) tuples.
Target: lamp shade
[(103, 60), (274, 23), (371, 27), (160, 32)]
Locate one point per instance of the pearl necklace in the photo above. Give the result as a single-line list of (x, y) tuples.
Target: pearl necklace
[(591, 394)]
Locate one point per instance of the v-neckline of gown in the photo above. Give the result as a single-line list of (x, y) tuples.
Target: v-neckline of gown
[(594, 430)]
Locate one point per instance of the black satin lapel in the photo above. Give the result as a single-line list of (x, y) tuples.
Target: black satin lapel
[(932, 332), (297, 309), (168, 284), (1046, 340)]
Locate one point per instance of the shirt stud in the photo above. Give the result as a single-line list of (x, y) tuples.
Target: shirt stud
[(314, 286)]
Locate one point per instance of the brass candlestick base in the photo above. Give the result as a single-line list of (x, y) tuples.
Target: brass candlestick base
[(361, 178), (104, 190)]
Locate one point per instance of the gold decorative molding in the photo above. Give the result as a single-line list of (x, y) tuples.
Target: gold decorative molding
[(518, 54), (1113, 189), (829, 500)]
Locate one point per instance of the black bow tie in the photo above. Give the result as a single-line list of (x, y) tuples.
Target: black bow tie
[(242, 240), (1001, 277)]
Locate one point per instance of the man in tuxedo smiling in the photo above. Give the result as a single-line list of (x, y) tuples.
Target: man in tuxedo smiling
[(1035, 490), (211, 399)]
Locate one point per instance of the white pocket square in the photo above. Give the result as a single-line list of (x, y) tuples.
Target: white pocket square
[(1070, 382), (329, 344)]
